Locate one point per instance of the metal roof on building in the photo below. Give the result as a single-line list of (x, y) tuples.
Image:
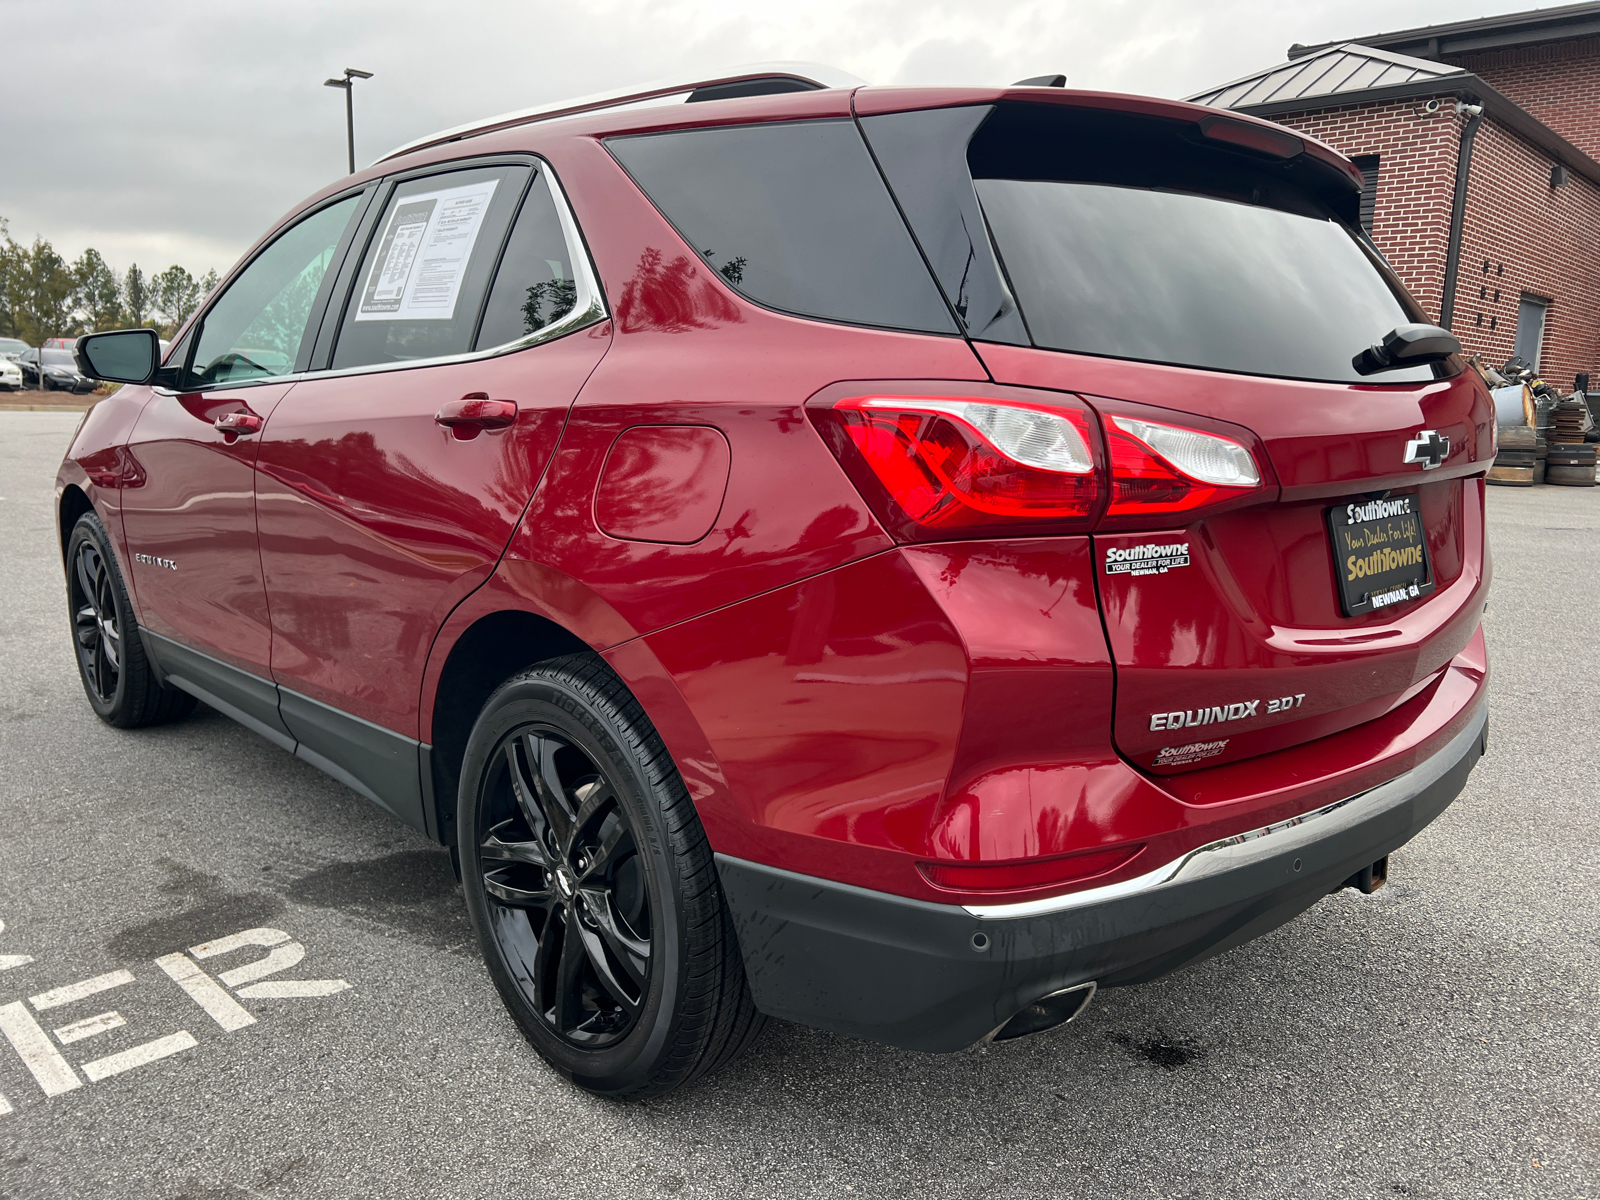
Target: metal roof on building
[(1348, 68), (1529, 28)]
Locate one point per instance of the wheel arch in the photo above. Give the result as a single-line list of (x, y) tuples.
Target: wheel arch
[(73, 505), (487, 652)]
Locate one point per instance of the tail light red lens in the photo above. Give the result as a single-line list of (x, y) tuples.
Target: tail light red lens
[(1159, 469), (956, 466)]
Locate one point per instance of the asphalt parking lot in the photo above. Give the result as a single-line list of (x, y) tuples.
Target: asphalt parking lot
[(1438, 1039)]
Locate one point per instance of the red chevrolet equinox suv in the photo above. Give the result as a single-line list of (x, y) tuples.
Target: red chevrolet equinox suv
[(889, 559)]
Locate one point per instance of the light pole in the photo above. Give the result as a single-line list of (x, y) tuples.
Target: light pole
[(348, 84)]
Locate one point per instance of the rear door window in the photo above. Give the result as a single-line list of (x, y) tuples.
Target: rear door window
[(420, 288), (794, 215)]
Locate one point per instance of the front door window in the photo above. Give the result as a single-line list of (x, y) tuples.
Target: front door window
[(260, 325)]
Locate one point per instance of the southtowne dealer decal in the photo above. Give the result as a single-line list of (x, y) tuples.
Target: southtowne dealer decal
[(1154, 559)]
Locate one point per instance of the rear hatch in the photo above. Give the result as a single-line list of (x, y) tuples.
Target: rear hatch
[(1191, 275)]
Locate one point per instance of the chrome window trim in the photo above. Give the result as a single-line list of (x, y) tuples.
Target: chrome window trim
[(1241, 849), (589, 306)]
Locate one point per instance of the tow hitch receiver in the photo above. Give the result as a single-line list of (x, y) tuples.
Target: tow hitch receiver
[(1369, 879)]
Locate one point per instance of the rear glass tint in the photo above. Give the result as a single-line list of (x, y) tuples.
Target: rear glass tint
[(1130, 239), (794, 215), (924, 157)]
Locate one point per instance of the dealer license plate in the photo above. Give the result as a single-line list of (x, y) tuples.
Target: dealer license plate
[(1380, 553)]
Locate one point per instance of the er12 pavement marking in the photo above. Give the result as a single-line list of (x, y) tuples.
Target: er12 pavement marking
[(55, 1075)]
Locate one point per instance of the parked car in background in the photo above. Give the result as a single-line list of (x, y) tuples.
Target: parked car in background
[(13, 348), (891, 559), (10, 375), (53, 370)]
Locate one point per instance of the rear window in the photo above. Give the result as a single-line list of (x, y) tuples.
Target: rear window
[(1126, 238), (795, 216)]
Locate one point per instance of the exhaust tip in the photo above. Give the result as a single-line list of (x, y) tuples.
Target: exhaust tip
[(1058, 1008)]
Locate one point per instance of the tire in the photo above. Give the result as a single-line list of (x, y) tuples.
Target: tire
[(117, 676), (1570, 476), (1511, 476), (592, 888)]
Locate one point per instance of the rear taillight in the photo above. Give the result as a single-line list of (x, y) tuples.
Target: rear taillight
[(1159, 469), (942, 467), (959, 466)]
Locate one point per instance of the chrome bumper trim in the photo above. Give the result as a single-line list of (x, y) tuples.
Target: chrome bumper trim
[(1242, 849)]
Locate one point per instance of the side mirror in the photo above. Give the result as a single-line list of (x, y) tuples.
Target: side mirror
[(1407, 346), (122, 356)]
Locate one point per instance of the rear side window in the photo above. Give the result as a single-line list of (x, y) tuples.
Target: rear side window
[(794, 215), (420, 288), (537, 284), (1130, 239)]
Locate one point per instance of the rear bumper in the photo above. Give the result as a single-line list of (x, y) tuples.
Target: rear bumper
[(908, 973)]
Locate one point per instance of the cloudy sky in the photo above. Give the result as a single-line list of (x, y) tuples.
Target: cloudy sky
[(164, 131)]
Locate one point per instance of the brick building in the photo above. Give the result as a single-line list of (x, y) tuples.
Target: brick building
[(1479, 142)]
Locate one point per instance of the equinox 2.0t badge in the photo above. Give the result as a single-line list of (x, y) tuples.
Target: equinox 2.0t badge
[(1428, 448)]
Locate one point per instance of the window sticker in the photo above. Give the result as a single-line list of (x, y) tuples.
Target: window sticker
[(416, 274)]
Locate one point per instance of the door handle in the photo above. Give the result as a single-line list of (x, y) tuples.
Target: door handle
[(475, 412), (238, 424)]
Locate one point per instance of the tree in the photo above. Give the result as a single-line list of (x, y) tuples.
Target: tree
[(209, 284), (41, 291), (176, 295), (135, 295), (9, 252), (98, 294)]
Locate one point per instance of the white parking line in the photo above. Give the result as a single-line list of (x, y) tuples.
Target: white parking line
[(56, 997), (149, 1052), (293, 989), (54, 1073), (5, 1106), (7, 961), (206, 992), (88, 1027)]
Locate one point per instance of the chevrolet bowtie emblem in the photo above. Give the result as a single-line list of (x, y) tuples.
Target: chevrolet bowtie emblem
[(1428, 448)]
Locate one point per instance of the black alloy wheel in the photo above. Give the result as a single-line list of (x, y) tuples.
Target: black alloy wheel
[(94, 620), (592, 888), (567, 893), (122, 687)]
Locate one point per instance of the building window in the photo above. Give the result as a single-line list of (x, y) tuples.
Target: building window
[(1368, 165)]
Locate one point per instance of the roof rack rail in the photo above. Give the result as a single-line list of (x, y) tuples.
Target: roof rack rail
[(807, 76)]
